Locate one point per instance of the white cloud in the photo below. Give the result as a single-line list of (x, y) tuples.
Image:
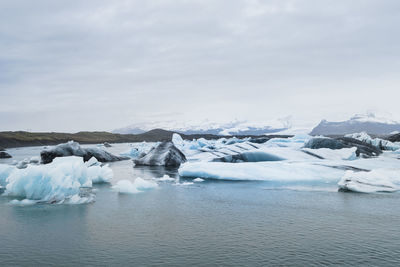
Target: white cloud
[(100, 65)]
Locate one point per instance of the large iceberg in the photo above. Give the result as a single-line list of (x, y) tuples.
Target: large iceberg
[(164, 154), (278, 171), (65, 180), (74, 149)]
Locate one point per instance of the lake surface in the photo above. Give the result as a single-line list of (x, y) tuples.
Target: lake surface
[(221, 223)]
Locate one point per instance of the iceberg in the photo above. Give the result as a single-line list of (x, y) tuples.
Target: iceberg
[(65, 180), (137, 186), (97, 172), (363, 148), (378, 180), (166, 178), (164, 154), (74, 149), (276, 171), (4, 155), (376, 142), (292, 162)]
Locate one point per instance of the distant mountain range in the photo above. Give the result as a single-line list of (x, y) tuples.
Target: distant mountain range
[(369, 122), (236, 128), (359, 123)]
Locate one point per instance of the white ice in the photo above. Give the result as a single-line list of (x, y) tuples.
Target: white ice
[(377, 142), (138, 149), (282, 171), (65, 180), (137, 186), (166, 178), (297, 165), (378, 180)]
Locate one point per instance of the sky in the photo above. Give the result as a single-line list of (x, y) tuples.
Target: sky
[(100, 65)]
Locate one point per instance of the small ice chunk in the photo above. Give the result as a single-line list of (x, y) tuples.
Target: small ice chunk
[(198, 180), (184, 183), (139, 185), (24, 202), (23, 164), (34, 160), (100, 174), (92, 162), (166, 178)]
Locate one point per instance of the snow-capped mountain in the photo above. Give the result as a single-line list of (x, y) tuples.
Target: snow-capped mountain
[(369, 123), (207, 127)]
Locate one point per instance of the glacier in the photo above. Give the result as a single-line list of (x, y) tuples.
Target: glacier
[(66, 180)]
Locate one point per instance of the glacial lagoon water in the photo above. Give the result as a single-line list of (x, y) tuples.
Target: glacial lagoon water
[(222, 223)]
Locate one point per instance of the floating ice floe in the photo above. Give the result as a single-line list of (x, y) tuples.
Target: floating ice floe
[(166, 178), (65, 180), (379, 180), (137, 186), (265, 171), (183, 183)]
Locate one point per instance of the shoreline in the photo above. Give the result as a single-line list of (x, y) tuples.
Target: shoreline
[(18, 139)]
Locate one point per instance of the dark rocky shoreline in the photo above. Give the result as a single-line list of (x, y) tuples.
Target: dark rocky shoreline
[(24, 139)]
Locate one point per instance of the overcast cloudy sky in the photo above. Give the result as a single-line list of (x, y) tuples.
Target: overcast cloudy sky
[(100, 65)]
